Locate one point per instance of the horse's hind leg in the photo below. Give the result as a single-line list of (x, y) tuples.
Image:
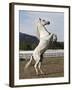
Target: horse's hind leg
[(36, 64), (39, 66), (28, 63)]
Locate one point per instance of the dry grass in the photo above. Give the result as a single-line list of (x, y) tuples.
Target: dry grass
[(51, 66)]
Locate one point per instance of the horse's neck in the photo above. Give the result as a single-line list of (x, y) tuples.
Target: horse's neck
[(42, 29)]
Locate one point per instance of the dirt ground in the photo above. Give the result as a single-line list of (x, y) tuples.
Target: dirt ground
[(51, 66)]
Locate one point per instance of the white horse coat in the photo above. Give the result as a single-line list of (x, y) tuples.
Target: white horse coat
[(45, 39)]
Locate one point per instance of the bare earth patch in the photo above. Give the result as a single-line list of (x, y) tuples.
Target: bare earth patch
[(51, 66)]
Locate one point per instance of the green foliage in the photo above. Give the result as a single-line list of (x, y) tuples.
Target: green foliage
[(56, 45), (25, 46), (29, 46)]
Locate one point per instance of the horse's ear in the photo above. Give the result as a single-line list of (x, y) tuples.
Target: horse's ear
[(40, 19)]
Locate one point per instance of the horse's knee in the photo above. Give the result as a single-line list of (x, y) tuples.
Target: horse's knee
[(36, 57)]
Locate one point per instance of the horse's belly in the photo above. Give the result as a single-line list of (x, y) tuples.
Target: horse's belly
[(43, 45), (41, 48)]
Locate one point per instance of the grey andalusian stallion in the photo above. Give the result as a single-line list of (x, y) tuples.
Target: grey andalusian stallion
[(45, 38)]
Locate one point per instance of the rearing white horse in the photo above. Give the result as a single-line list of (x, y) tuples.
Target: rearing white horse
[(45, 39)]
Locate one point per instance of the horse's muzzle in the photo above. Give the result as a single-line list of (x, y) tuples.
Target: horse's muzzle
[(48, 22)]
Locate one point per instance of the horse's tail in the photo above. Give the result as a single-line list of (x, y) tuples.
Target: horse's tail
[(27, 65)]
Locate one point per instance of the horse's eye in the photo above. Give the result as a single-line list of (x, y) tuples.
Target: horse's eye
[(43, 20)]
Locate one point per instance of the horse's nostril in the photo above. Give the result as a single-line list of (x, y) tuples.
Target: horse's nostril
[(48, 22)]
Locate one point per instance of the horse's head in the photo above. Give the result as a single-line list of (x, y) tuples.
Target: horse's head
[(44, 22)]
